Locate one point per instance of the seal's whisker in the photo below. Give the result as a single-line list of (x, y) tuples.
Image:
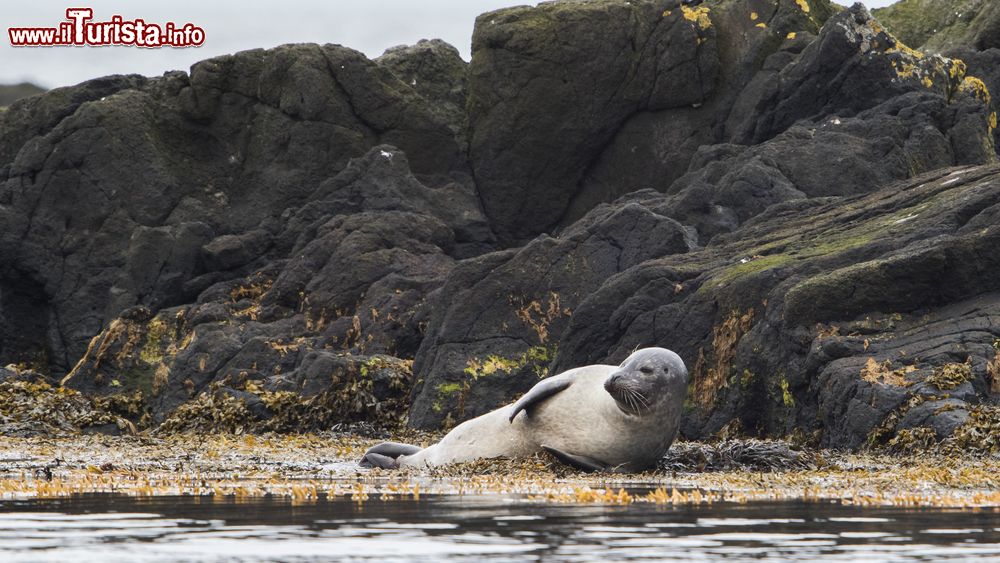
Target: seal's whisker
[(642, 398), (644, 401), (635, 398), (627, 397)]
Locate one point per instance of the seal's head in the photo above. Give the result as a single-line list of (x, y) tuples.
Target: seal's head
[(647, 380)]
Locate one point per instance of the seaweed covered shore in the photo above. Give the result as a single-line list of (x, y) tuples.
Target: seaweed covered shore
[(307, 467), (58, 442)]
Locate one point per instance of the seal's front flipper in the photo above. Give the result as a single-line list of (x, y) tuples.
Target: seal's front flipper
[(385, 455), (578, 461), (541, 391)]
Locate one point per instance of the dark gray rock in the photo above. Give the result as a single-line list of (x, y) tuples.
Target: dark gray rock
[(553, 87), (232, 251), (852, 66), (908, 135), (110, 190), (437, 72), (359, 262), (778, 320), (942, 416), (985, 66)]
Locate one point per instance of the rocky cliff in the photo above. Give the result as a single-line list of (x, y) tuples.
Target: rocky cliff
[(781, 191)]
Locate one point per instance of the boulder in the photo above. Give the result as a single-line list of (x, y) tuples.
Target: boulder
[(436, 71), (853, 65), (553, 87), (984, 65), (128, 191), (357, 264)]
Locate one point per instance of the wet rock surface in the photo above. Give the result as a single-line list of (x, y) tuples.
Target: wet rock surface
[(781, 191)]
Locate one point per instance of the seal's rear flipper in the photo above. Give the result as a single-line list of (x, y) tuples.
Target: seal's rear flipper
[(378, 460), (541, 391), (578, 461), (384, 455)]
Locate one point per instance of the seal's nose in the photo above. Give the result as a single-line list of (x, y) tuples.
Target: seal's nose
[(612, 382)]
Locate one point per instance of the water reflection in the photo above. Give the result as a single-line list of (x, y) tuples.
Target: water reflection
[(114, 528)]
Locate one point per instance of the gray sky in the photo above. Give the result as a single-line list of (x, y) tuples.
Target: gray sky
[(235, 25)]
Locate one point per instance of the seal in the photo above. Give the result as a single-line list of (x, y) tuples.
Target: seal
[(596, 418)]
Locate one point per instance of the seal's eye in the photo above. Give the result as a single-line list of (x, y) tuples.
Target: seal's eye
[(646, 370)]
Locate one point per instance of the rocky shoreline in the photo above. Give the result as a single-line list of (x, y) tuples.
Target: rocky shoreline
[(311, 468), (285, 240)]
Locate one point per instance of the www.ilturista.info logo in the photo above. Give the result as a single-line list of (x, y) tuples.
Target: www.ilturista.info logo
[(78, 29)]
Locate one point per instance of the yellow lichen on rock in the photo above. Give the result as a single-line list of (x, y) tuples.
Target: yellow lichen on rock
[(803, 4), (754, 16), (698, 16), (491, 365), (958, 69), (902, 48), (905, 70), (923, 71), (536, 356), (791, 35), (975, 88)]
